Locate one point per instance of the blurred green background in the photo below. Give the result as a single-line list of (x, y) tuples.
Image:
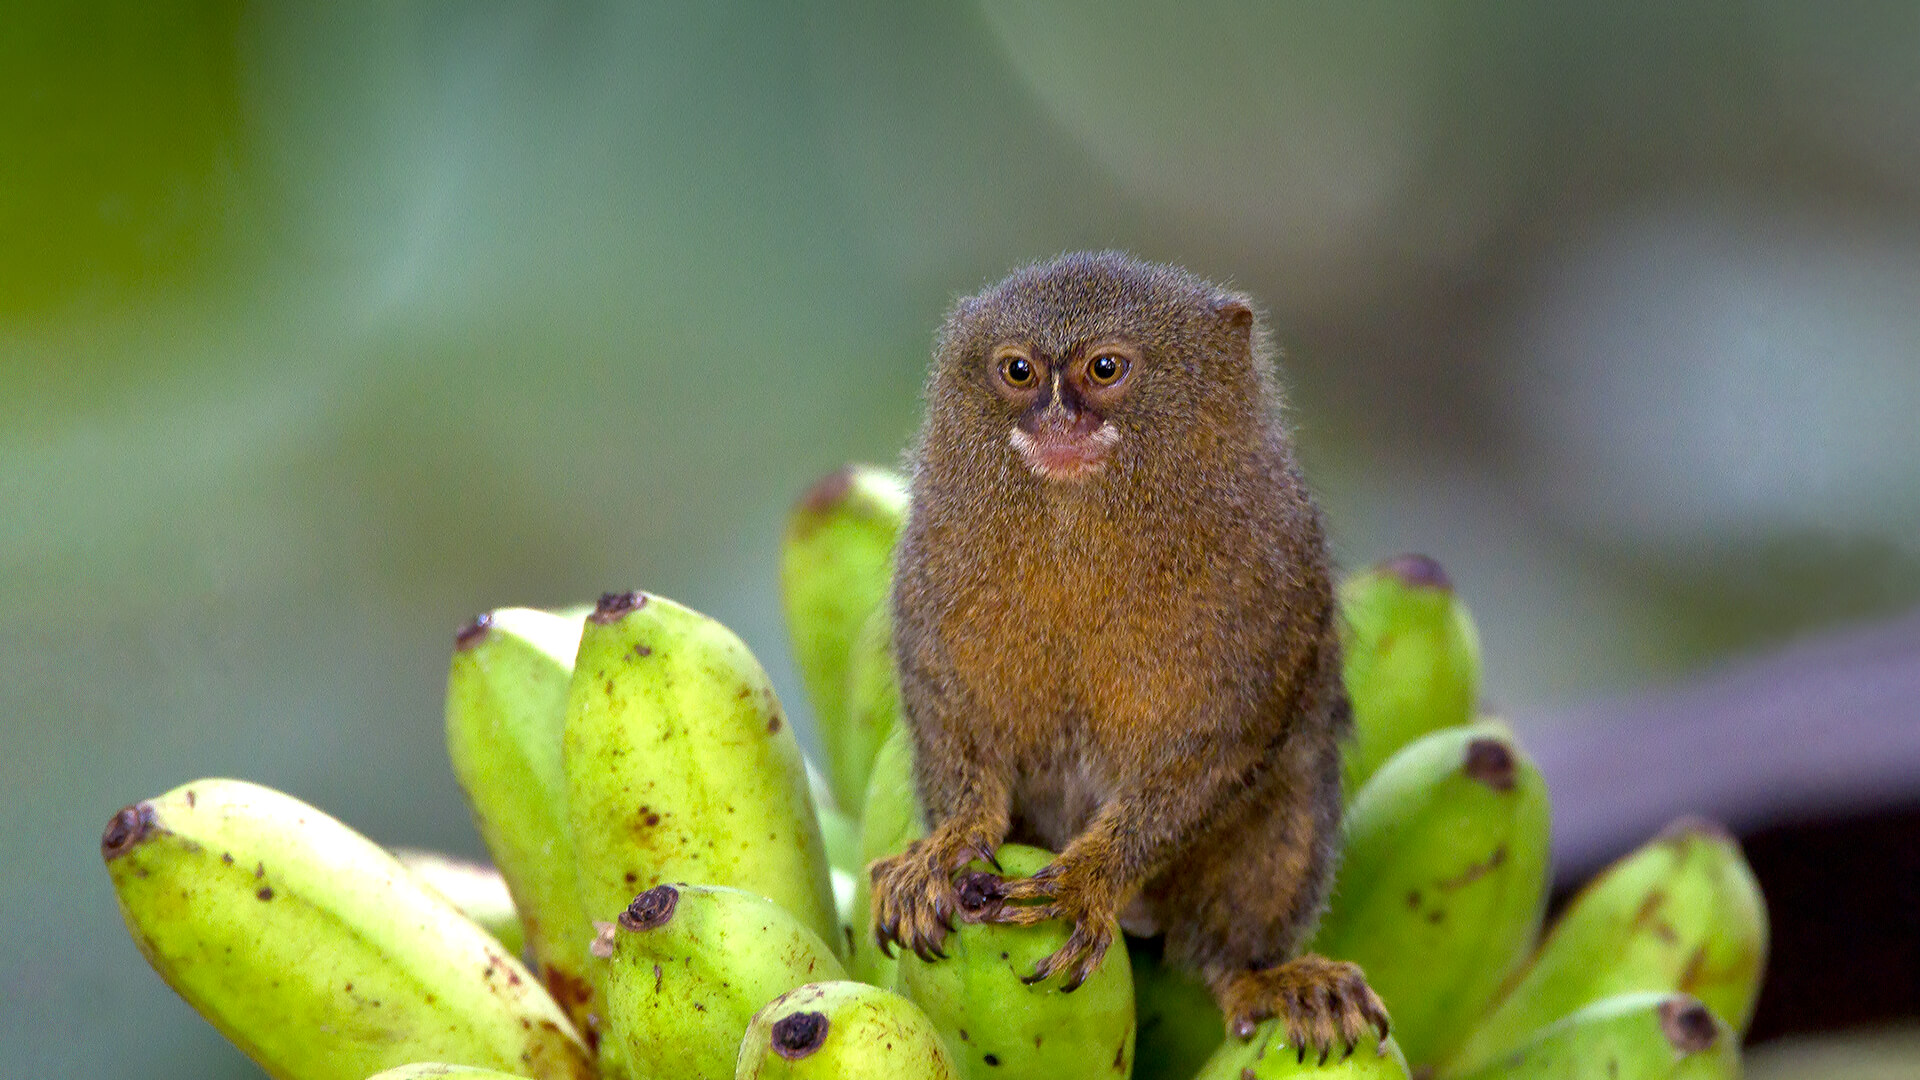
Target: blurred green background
[(323, 327)]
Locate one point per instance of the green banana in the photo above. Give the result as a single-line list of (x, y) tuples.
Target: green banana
[(1177, 1023), (690, 965), (1642, 1036), (478, 891), (873, 699), (843, 1031), (1441, 890), (1268, 1057), (313, 949), (998, 1026), (506, 708), (841, 836), (892, 819), (1682, 914), (434, 1070), (681, 766), (835, 566), (1411, 655)]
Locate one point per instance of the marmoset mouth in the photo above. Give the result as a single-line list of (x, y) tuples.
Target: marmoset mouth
[(1064, 455)]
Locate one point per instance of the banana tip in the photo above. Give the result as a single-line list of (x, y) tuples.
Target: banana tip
[(1422, 571), (1490, 761), (651, 909), (1687, 1024), (827, 492), (613, 606), (798, 1034), (473, 633), (1692, 825), (126, 829)]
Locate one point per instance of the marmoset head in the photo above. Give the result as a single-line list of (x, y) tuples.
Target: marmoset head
[(1092, 359)]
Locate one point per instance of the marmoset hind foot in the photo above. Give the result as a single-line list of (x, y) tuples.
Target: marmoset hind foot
[(1319, 1002)]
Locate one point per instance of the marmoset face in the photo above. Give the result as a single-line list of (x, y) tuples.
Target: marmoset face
[(1060, 403)]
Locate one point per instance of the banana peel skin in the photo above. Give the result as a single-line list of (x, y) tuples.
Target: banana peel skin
[(478, 891), (1682, 914), (835, 569), (842, 1031), (689, 965), (1442, 887), (1411, 659), (997, 1025), (681, 766), (891, 820), (1268, 1057), (505, 714), (1178, 1026), (1641, 1036), (314, 950)]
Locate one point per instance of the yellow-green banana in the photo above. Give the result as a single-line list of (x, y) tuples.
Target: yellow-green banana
[(681, 766), (690, 965), (841, 835), (892, 820), (835, 567), (873, 699), (842, 1031), (478, 891), (1267, 1056), (998, 1026), (436, 1069), (1177, 1024), (1441, 889), (313, 949), (1682, 914), (1411, 655), (1643, 1036), (505, 714)]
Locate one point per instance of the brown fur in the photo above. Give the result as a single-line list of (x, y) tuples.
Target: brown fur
[(1138, 668)]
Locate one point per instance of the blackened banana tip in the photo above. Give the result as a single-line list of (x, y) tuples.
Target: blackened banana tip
[(799, 1034), (473, 633), (126, 829), (613, 606), (1422, 571), (651, 909)]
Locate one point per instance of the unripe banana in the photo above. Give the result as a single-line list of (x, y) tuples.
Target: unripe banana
[(1441, 890), (1643, 1036), (506, 711), (835, 566), (842, 1031), (1177, 1023), (313, 949), (840, 834), (435, 1070), (873, 699), (1268, 1057), (690, 965), (478, 891), (681, 766), (1411, 656), (998, 1026), (892, 820), (1682, 914)]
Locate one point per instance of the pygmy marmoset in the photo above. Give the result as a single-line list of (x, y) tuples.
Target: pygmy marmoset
[(1114, 626)]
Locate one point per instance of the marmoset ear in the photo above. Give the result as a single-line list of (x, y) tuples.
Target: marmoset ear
[(1236, 312)]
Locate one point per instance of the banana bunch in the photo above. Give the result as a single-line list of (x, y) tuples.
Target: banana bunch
[(691, 896)]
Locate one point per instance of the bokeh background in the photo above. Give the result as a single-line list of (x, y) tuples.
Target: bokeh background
[(324, 326)]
